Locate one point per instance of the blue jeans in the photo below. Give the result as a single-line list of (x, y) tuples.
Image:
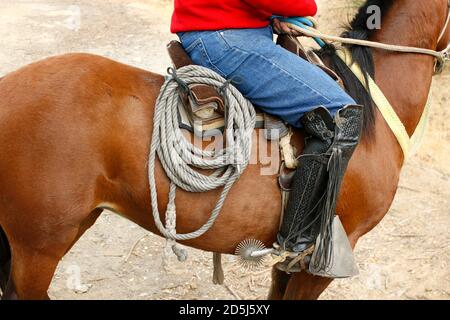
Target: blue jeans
[(272, 78)]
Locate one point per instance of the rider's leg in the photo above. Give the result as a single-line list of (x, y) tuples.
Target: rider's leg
[(282, 84)]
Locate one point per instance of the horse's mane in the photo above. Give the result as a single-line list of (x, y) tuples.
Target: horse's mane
[(358, 29)]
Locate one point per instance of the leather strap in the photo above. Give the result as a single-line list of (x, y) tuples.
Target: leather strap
[(178, 55), (382, 103)]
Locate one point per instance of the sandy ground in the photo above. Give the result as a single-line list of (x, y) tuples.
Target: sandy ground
[(406, 257)]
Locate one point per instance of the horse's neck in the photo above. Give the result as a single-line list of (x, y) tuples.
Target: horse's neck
[(405, 79)]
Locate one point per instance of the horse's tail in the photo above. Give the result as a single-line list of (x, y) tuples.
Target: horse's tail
[(5, 260)]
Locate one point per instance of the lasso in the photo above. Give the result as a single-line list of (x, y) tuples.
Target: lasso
[(179, 157)]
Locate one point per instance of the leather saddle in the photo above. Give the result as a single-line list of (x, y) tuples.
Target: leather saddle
[(205, 103), (202, 111)]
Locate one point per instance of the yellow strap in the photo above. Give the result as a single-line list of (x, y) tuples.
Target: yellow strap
[(416, 138), (381, 102)]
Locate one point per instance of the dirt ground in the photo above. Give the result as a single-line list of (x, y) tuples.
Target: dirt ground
[(406, 257)]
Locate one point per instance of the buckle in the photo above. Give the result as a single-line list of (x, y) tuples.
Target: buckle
[(447, 56)]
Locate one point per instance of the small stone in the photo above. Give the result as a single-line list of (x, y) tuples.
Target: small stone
[(83, 288)]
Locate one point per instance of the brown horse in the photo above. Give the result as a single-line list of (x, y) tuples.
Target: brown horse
[(75, 134)]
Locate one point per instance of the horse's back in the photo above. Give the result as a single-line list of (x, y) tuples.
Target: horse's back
[(76, 75)]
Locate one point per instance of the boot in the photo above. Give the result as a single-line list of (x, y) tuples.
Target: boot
[(310, 215)]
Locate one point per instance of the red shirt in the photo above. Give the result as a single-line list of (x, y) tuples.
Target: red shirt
[(199, 15)]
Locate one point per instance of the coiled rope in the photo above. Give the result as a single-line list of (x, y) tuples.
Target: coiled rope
[(179, 157)]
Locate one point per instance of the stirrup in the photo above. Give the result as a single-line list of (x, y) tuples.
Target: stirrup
[(342, 262)]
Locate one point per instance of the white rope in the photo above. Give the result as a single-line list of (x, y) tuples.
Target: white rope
[(310, 32), (179, 157)]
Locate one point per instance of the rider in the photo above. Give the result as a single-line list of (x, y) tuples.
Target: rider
[(235, 39)]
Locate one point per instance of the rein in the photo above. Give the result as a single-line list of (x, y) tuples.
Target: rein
[(307, 26)]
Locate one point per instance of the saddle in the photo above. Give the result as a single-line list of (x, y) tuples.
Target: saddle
[(202, 110)]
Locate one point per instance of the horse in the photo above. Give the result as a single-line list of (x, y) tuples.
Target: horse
[(75, 135)]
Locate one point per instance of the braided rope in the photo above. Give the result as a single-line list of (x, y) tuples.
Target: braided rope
[(179, 157)]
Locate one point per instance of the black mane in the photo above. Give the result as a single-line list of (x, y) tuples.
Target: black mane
[(358, 29)]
